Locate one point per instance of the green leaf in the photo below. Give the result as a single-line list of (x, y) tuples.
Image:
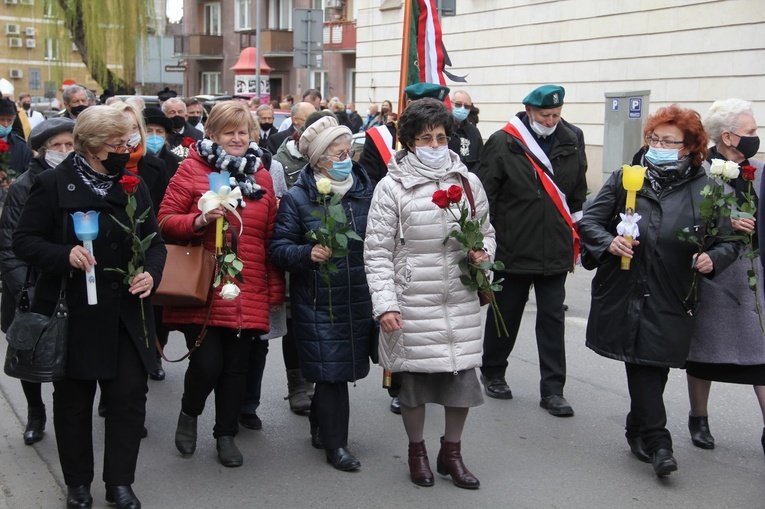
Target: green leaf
[(338, 214), (126, 228), (498, 265), (229, 258), (237, 264), (341, 240), (353, 235)]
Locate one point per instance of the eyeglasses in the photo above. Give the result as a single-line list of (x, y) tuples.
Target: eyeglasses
[(460, 105), (656, 142), (122, 148), (441, 139), (342, 156)]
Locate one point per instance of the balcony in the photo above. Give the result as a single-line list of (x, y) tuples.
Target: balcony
[(199, 47), (340, 36), (275, 43)]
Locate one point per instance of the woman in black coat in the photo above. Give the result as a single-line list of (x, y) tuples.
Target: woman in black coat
[(333, 350), (106, 341), (641, 316)]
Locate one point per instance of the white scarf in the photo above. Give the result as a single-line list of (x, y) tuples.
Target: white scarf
[(338, 186), (427, 171)]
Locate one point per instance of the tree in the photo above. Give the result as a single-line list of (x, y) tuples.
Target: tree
[(108, 31)]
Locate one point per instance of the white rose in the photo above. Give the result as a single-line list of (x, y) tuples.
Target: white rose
[(716, 168), (324, 185), (730, 170), (229, 291)]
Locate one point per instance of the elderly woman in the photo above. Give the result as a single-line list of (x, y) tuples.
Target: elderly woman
[(220, 363), (158, 128), (334, 337), (107, 341), (52, 140), (640, 316), (430, 321), (728, 344)]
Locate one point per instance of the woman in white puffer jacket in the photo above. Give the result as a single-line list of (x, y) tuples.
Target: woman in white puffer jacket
[(430, 322)]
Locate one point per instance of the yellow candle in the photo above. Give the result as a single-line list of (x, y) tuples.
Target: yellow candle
[(632, 180), (219, 235)]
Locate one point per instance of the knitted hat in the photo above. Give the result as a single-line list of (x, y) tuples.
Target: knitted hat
[(546, 96), (155, 116), (319, 136), (46, 130)]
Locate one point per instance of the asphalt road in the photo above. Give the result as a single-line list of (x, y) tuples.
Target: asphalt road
[(523, 457)]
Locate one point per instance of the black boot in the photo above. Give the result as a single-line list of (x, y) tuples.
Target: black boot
[(663, 462), (762, 440), (228, 453), (300, 403), (79, 497), (123, 497), (186, 434), (700, 434), (35, 425)]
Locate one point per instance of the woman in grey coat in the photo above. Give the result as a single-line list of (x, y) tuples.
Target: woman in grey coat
[(728, 344)]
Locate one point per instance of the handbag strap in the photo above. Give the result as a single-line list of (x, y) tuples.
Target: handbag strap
[(469, 194)]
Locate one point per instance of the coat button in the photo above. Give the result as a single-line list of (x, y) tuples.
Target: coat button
[(115, 286), (113, 245)]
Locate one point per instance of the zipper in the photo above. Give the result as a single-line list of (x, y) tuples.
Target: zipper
[(350, 304), (315, 289), (444, 306)]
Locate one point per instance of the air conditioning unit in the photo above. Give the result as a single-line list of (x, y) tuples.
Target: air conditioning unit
[(11, 2), (15, 42), (16, 74), (31, 43), (11, 29), (27, 2), (29, 31)]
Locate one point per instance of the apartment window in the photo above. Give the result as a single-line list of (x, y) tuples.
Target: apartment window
[(446, 7), (320, 81), (242, 9), (51, 49), (212, 19), (210, 83), (280, 14), (35, 79), (48, 8)]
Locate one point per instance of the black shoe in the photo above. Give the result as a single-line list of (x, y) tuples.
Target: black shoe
[(556, 405), (228, 453), (157, 374), (144, 432), (186, 434), (36, 419), (700, 434), (565, 307), (123, 496), (79, 496), (663, 462), (395, 406), (342, 459), (496, 387), (762, 440), (638, 449), (250, 421), (316, 440)]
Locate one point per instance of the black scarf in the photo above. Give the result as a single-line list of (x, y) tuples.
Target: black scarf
[(664, 175)]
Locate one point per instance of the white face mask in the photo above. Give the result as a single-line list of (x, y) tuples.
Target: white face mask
[(542, 130), (432, 157), (54, 158), (134, 139)]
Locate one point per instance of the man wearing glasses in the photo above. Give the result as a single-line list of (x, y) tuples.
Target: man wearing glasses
[(467, 141), (533, 171)]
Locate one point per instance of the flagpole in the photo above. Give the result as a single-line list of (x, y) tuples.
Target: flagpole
[(404, 76)]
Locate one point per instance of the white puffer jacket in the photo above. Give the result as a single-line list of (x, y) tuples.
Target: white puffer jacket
[(410, 270)]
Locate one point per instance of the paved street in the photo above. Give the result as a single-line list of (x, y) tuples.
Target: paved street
[(524, 457)]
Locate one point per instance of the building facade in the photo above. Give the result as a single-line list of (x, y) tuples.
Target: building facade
[(686, 52), (216, 31)]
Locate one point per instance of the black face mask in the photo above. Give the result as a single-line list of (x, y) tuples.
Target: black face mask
[(748, 145), (178, 122), (115, 163), (79, 109), (266, 127), (26, 106), (194, 120)]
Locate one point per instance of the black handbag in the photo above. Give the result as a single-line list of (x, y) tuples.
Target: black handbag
[(37, 344)]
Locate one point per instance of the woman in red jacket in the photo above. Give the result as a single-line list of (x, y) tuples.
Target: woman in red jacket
[(220, 363)]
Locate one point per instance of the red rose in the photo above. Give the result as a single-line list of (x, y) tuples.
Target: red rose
[(441, 198), (187, 142), (4, 147), (455, 194), (747, 172), (130, 183)]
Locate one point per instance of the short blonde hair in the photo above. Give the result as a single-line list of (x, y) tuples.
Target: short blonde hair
[(96, 125), (227, 115), (132, 108)]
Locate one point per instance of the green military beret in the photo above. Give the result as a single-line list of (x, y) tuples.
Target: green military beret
[(546, 96), (420, 90)]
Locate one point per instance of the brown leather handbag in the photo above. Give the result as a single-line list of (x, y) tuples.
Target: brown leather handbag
[(187, 277)]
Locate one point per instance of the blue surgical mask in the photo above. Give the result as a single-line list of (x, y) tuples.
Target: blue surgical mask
[(154, 143), (341, 169), (348, 111), (659, 156), (460, 114), (5, 131)]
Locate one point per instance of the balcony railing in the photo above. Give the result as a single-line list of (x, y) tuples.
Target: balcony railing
[(340, 36), (199, 46)]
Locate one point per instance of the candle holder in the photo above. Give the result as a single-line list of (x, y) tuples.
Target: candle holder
[(86, 230)]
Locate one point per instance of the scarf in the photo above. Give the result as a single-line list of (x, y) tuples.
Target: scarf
[(135, 157), (663, 175), (338, 186), (426, 171), (242, 169), (97, 182)]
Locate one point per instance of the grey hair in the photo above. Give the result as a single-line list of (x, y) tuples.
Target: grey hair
[(70, 91), (723, 116), (343, 138), (91, 97), (264, 107), (295, 110), (136, 101), (173, 100)]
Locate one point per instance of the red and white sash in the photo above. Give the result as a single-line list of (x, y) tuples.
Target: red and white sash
[(553, 191), (383, 142)]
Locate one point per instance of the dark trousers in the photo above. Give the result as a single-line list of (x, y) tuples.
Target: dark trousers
[(73, 420), (648, 417), (289, 348), (163, 333), (257, 364), (219, 364), (550, 328), (33, 394), (331, 411)]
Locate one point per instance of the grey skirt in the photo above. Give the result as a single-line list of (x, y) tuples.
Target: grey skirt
[(447, 389)]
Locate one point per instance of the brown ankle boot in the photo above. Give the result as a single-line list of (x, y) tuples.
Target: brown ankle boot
[(419, 466), (449, 462)]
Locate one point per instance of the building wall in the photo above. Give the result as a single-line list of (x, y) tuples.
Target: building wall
[(683, 51)]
